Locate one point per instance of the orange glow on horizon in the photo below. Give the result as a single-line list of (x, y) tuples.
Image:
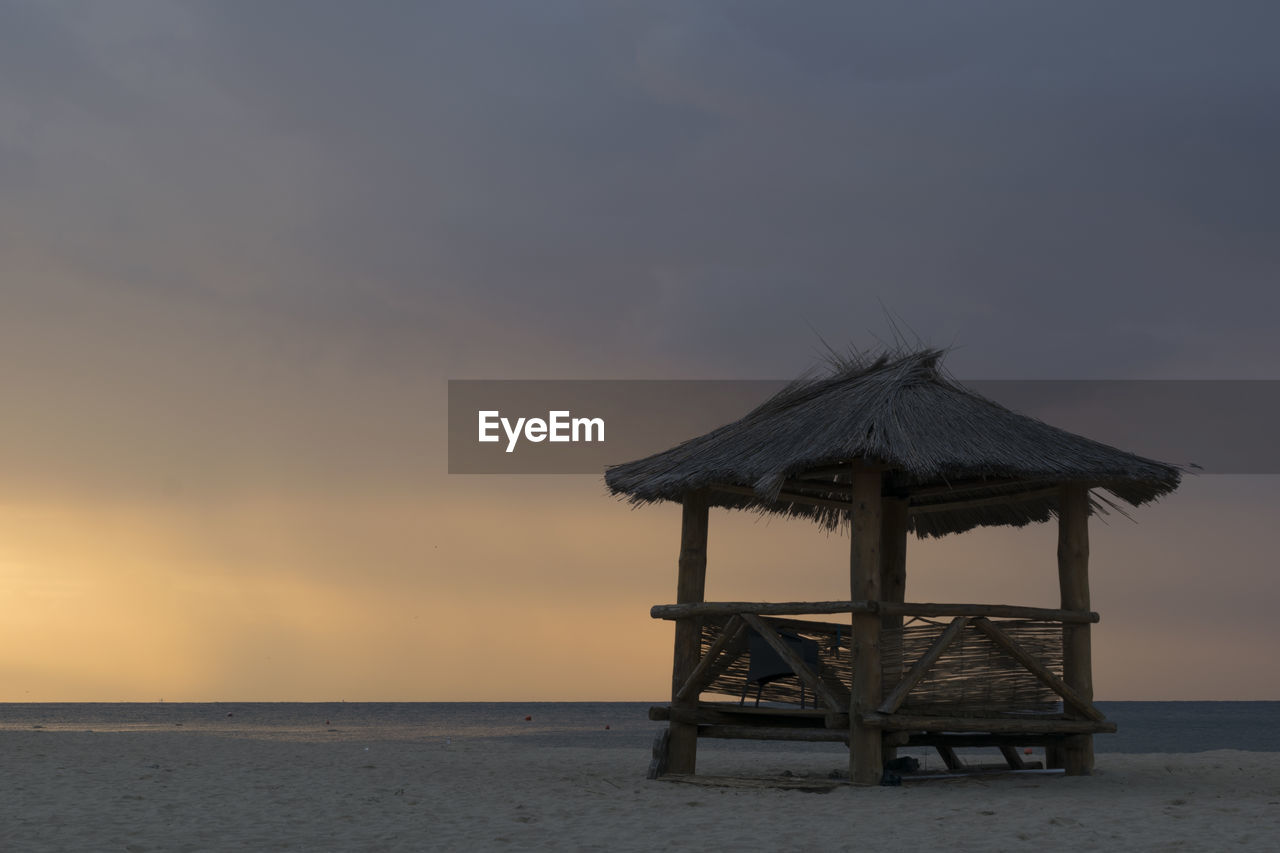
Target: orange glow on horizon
[(494, 597)]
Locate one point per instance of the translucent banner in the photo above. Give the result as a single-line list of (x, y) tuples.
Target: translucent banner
[(582, 426)]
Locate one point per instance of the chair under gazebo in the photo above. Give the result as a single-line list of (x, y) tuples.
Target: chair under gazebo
[(886, 447)]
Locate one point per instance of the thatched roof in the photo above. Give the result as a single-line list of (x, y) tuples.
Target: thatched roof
[(960, 459)]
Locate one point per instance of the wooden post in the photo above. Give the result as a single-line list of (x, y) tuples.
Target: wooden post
[(893, 555), (866, 764), (682, 749), (893, 584), (1073, 580)]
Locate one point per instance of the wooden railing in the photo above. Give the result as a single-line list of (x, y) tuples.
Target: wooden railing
[(729, 624), (886, 608)]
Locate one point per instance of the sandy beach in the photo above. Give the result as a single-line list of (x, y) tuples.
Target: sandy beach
[(178, 791)]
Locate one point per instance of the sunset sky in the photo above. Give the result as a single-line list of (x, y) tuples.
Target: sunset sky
[(245, 245)]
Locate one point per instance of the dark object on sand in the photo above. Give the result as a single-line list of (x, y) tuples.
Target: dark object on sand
[(658, 764), (903, 764)]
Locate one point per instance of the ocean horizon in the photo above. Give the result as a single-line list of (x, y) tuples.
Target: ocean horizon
[(1144, 727)]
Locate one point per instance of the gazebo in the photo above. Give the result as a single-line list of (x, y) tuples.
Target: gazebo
[(889, 446)]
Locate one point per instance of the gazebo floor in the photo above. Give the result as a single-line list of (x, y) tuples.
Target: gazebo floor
[(731, 713), (1010, 734), (802, 723), (825, 785), (807, 784)]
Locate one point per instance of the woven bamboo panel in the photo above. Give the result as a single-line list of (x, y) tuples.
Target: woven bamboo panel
[(730, 675), (973, 677)]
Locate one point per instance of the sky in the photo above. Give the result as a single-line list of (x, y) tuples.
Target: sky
[(244, 246)]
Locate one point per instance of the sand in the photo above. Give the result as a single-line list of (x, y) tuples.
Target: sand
[(179, 791)]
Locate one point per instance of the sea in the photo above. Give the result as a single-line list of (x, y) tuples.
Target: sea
[(1144, 727)]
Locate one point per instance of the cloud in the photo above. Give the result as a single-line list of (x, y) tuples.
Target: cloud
[(544, 173), (246, 244)]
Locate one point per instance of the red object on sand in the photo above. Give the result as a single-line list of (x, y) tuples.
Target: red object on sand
[(527, 719)]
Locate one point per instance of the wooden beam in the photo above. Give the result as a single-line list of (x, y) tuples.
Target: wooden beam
[(1001, 725), (1011, 756), (722, 714), (701, 675), (838, 721), (886, 608), (770, 733), (760, 608), (1081, 705), (783, 497), (949, 757), (866, 764), (963, 486), (1073, 582), (979, 739), (691, 583), (893, 588), (841, 470), (840, 491), (994, 500), (1007, 611), (893, 557), (797, 664), (895, 698)]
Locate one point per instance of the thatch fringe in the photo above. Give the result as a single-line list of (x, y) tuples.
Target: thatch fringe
[(901, 411)]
